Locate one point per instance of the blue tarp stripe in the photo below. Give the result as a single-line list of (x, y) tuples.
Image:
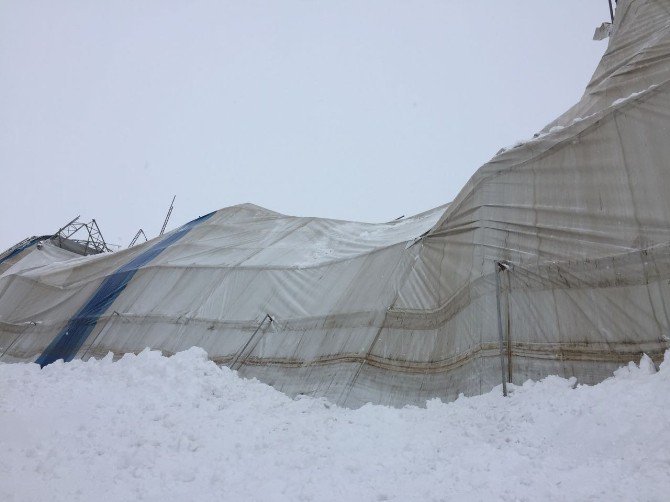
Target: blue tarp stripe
[(68, 342)]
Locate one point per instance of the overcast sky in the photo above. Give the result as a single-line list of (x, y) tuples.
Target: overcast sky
[(358, 110)]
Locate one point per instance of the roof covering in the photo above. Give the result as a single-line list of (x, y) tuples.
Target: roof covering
[(400, 312)]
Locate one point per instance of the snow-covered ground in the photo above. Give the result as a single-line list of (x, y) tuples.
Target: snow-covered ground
[(154, 428)]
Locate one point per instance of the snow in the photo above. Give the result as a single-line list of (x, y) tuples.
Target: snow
[(633, 95), (541, 135), (153, 428), (576, 120), (558, 128), (347, 239)]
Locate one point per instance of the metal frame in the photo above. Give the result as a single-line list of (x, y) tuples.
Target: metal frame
[(234, 365), (94, 242), (137, 236), (167, 218)]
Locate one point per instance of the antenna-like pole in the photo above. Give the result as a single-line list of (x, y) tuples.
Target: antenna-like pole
[(611, 10), (168, 216)]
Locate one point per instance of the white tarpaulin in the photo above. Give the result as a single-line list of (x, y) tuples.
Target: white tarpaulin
[(400, 312)]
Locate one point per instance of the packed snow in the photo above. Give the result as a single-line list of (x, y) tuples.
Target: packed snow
[(541, 135), (576, 120), (149, 427), (633, 95)]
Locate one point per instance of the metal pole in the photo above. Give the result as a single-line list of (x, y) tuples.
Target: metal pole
[(137, 236), (65, 226), (105, 328), (168, 216), (611, 10), (28, 324), (499, 268), (232, 366)]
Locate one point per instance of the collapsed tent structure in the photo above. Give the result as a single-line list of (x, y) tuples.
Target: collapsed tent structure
[(76, 238), (553, 259)]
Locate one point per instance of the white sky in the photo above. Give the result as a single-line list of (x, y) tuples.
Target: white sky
[(360, 110)]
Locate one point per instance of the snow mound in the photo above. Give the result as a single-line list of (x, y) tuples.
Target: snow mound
[(153, 428)]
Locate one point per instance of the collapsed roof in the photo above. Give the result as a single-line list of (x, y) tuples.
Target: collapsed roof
[(577, 217), (76, 238)]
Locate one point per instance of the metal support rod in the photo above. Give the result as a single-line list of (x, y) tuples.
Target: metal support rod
[(509, 332), (168, 215), (137, 236), (57, 234), (105, 328), (239, 354), (499, 268), (16, 338), (611, 10)]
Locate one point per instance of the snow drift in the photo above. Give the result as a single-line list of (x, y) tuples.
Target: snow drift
[(148, 427)]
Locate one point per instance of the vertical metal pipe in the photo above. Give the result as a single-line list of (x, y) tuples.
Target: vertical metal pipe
[(508, 328), (611, 10), (498, 269)]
